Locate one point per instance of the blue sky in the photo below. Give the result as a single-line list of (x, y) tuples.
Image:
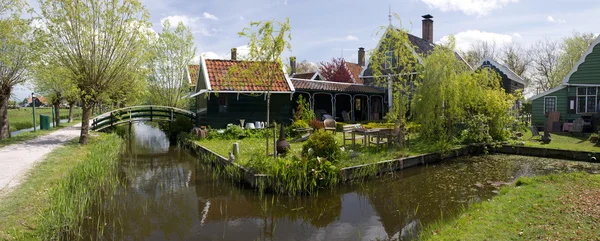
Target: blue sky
[(324, 29)]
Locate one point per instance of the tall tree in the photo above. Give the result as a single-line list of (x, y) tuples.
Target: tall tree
[(54, 84), (266, 42), (545, 65), (15, 55), (307, 67), (173, 51), (335, 70), (478, 51), (515, 57), (572, 49), (394, 65), (101, 43)]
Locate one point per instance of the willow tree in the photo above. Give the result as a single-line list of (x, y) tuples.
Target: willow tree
[(173, 51), (393, 65), (101, 43), (448, 94), (15, 55), (266, 42), (54, 83)]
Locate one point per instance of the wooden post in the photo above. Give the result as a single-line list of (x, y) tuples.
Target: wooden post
[(150, 113)]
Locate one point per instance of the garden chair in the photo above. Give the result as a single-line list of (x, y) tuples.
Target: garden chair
[(577, 126), (329, 125), (381, 137), (349, 134), (346, 116)]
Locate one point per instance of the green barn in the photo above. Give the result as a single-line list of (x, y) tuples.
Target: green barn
[(576, 97)]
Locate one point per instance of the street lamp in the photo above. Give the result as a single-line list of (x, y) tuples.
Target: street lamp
[(33, 105)]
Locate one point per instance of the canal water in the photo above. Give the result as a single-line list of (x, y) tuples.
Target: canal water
[(169, 195)]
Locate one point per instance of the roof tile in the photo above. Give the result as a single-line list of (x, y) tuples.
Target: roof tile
[(218, 69), (315, 85)]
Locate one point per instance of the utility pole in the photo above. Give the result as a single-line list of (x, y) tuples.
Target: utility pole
[(33, 105)]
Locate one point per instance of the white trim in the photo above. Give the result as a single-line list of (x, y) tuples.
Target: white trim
[(585, 85), (557, 88), (205, 73), (287, 79), (464, 61), (586, 100), (501, 68), (588, 52), (187, 71), (349, 72), (555, 104), (250, 92), (315, 75), (198, 93), (331, 82)]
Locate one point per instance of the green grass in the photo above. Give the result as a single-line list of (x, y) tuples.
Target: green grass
[(363, 155), (23, 118), (26, 136), (56, 192), (562, 141), (553, 207)]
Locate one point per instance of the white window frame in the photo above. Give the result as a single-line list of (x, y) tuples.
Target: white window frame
[(391, 60), (547, 97), (586, 99)]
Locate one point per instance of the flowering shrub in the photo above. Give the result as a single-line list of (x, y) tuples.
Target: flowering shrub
[(322, 144)]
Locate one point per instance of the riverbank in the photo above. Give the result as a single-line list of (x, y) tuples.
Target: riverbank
[(557, 207), (23, 118), (58, 189), (26, 136)]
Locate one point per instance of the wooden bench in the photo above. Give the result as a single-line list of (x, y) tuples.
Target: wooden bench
[(349, 134)]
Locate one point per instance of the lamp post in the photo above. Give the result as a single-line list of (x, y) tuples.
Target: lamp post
[(33, 105)]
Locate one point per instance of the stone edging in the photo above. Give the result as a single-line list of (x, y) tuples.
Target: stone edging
[(547, 153)]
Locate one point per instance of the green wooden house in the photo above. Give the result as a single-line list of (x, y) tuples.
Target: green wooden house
[(577, 96)]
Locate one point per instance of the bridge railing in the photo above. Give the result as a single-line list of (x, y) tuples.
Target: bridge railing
[(139, 113)]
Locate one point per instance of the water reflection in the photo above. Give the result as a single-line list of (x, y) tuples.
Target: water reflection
[(169, 195)]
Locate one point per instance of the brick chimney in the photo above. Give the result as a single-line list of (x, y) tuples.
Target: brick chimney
[(428, 28), (233, 53), (361, 56), (293, 65)]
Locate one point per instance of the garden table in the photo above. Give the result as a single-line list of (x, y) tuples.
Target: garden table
[(366, 133)]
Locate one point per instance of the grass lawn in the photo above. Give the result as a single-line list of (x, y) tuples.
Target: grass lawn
[(563, 141), (554, 207), (32, 135), (363, 155), (23, 118), (21, 209)]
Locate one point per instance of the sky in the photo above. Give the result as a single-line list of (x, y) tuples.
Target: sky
[(326, 29)]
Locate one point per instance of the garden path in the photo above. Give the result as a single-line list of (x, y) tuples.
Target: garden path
[(17, 159)]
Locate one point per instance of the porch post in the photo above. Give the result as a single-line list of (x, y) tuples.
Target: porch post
[(369, 107), (333, 106), (311, 99), (352, 107)]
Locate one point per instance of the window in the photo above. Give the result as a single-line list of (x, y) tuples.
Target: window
[(549, 104), (222, 103), (389, 58), (586, 99)]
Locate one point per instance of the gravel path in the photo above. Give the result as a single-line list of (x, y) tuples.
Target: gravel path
[(17, 159)]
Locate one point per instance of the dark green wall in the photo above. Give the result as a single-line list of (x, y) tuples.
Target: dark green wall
[(249, 107), (589, 71)]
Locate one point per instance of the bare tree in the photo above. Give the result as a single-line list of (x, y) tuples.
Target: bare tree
[(478, 51), (307, 67), (517, 58), (544, 55)]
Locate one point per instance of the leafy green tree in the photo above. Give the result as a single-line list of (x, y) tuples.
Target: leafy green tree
[(172, 52), (266, 42), (394, 65), (15, 55), (53, 82), (448, 94), (103, 46)]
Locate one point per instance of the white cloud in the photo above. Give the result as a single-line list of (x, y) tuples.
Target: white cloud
[(468, 7), (210, 55), (517, 35), (210, 16), (193, 22), (351, 38), (242, 18), (464, 40), (555, 20)]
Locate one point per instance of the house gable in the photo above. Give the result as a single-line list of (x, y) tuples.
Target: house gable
[(587, 70), (510, 80)]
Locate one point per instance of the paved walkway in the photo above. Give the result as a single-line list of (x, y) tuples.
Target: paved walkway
[(17, 159)]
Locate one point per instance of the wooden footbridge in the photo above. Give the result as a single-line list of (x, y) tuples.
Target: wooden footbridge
[(139, 113)]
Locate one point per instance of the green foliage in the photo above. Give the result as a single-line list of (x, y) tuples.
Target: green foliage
[(573, 49), (232, 132), (448, 94), (323, 144), (303, 111), (172, 51)]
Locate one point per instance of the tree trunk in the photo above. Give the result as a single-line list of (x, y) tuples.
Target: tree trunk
[(56, 113), (71, 111), (268, 123), (85, 122), (4, 126)]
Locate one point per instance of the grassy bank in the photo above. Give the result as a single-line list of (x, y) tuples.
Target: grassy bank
[(56, 193), (554, 207), (23, 118), (26, 136), (562, 141)]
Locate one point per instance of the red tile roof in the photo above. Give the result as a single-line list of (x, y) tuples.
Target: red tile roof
[(218, 70), (318, 85), (193, 70), (308, 75), (355, 70)]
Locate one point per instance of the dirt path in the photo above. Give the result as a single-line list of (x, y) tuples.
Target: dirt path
[(17, 159)]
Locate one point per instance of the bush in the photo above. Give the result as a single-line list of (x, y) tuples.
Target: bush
[(233, 132), (323, 144), (316, 124), (477, 130)]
